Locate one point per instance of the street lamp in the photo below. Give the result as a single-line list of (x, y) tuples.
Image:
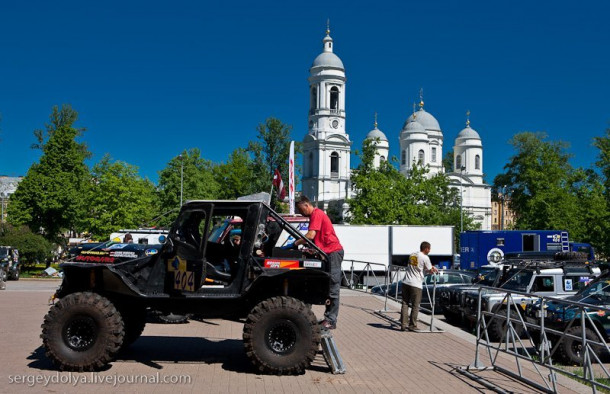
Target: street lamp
[(462, 168)]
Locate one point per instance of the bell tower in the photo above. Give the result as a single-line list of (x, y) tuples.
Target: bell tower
[(326, 147)]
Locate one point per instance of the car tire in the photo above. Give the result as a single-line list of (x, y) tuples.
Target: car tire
[(571, 256), (134, 320), (15, 275), (497, 328), (82, 332), (453, 318), (281, 336), (570, 349)]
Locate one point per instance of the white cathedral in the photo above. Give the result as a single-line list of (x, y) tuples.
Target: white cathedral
[(327, 147)]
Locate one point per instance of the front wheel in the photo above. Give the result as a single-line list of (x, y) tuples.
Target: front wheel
[(281, 336), (82, 332)]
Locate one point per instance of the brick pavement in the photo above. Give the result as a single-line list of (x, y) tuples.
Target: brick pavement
[(378, 358)]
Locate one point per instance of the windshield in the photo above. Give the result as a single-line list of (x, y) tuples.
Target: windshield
[(487, 276), (518, 280), (3, 252), (602, 288)]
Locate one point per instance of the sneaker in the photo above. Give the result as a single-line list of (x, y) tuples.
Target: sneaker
[(328, 325)]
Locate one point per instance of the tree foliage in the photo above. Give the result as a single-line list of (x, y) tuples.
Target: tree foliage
[(385, 196), (51, 197), (118, 198), (547, 193), (197, 179), (237, 176), (271, 151)]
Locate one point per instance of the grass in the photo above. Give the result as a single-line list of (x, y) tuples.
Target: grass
[(36, 270)]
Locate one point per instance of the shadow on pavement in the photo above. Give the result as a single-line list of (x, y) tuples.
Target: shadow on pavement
[(153, 351)]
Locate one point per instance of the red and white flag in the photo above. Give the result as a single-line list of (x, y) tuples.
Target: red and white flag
[(277, 182), (291, 178)]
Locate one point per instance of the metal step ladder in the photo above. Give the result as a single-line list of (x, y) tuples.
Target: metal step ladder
[(565, 242), (331, 353)]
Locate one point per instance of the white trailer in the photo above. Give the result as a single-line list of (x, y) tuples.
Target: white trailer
[(385, 245)]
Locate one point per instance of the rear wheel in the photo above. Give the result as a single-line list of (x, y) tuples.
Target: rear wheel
[(571, 349), (82, 332), (281, 336)]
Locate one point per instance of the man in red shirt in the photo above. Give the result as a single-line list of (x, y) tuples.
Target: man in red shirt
[(322, 233)]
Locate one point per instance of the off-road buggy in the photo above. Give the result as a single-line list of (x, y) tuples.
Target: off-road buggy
[(10, 267), (102, 306)]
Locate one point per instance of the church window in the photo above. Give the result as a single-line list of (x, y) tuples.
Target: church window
[(334, 98), (313, 104), (433, 155), (420, 157), (382, 158), (403, 156), (310, 165), (334, 164), (458, 162), (477, 162)]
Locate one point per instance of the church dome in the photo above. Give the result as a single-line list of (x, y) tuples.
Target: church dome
[(425, 119), (376, 133), (413, 126), (327, 59), (469, 133)]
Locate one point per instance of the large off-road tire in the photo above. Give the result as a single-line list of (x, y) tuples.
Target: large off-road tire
[(15, 275), (570, 349), (497, 328), (453, 318), (571, 256), (281, 336), (82, 332), (134, 320)]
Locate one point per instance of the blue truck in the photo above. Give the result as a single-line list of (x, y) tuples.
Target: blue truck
[(483, 247)]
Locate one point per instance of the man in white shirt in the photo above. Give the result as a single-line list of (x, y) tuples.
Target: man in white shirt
[(412, 285)]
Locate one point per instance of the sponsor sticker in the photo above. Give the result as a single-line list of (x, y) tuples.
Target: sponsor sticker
[(150, 252), (312, 264), (121, 253), (281, 264), (117, 246)]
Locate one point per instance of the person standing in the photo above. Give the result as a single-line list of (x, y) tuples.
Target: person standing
[(322, 233), (412, 286)]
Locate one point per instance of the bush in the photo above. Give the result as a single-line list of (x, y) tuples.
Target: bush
[(32, 247)]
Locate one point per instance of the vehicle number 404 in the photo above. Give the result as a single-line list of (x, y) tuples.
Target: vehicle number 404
[(184, 280)]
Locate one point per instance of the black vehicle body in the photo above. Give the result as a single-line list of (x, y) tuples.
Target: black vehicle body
[(10, 266), (181, 276), (452, 300)]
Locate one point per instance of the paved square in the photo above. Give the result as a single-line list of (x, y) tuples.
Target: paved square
[(210, 354)]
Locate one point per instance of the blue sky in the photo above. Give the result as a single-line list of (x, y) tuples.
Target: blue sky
[(151, 78)]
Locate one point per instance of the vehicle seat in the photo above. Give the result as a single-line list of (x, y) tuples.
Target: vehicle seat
[(212, 273)]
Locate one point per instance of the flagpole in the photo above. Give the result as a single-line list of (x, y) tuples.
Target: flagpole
[(291, 178)]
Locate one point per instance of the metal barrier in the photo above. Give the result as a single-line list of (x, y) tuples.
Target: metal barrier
[(394, 277), (532, 333), (368, 270)]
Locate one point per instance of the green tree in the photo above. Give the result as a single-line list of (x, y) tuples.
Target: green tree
[(198, 183), (32, 247), (51, 197), (541, 181), (118, 198), (271, 151), (236, 176), (448, 161), (385, 196)]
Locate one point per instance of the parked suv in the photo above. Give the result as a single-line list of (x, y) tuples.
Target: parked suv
[(565, 317), (538, 279), (9, 263), (102, 306)]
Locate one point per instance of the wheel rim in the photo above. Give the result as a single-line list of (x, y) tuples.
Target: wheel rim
[(282, 337), (80, 333)]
